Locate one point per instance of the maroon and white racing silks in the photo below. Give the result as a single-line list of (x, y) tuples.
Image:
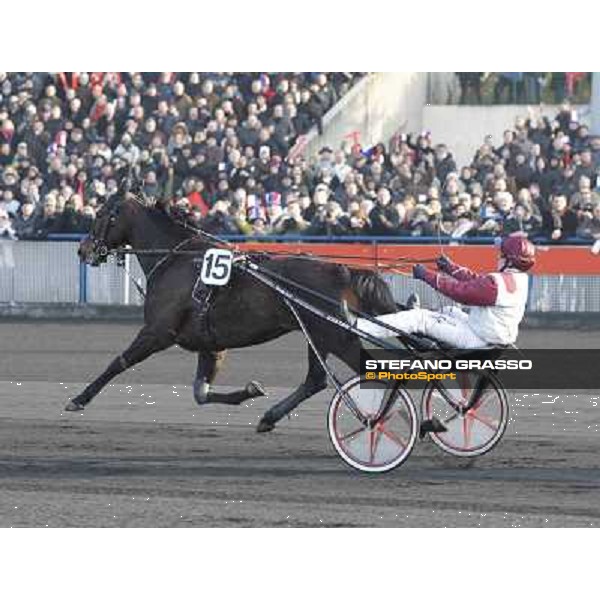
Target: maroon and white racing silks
[(496, 304), (497, 300), (467, 287)]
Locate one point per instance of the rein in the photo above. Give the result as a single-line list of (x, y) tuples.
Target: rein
[(166, 257), (218, 241), (375, 263), (395, 265)]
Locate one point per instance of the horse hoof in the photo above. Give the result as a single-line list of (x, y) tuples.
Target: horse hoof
[(255, 389), (200, 399), (264, 426), (74, 407)]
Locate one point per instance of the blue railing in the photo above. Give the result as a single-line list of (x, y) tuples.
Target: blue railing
[(355, 239)]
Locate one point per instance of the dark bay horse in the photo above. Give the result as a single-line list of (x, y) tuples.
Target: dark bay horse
[(243, 313)]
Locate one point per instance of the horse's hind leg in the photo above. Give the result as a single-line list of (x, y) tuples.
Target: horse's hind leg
[(316, 380), (348, 350), (206, 372), (146, 343)]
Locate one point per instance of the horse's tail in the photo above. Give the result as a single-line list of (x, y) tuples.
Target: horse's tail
[(372, 291)]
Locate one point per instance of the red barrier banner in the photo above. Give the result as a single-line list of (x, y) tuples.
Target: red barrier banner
[(552, 260)]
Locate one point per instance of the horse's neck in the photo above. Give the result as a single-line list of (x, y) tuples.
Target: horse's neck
[(154, 233)]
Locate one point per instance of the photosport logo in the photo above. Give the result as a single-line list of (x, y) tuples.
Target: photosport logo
[(419, 376), (518, 369)]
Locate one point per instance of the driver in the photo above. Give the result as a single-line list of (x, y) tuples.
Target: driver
[(496, 300)]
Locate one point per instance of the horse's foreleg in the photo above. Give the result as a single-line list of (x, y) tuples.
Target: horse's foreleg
[(206, 372), (146, 343), (316, 380)]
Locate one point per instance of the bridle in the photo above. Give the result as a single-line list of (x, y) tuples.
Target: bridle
[(100, 249)]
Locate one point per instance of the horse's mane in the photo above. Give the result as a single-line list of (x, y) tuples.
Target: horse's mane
[(165, 219)]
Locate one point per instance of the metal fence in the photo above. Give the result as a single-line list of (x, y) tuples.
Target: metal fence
[(50, 272)]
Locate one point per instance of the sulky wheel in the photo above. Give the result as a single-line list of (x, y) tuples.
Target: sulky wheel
[(470, 431), (373, 426)]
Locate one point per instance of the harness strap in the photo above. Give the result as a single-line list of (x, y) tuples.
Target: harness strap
[(138, 287), (165, 258)]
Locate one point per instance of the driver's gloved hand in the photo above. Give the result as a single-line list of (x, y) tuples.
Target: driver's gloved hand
[(443, 263), (419, 271)]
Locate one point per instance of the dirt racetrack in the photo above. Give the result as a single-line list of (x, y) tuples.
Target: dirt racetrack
[(144, 454)]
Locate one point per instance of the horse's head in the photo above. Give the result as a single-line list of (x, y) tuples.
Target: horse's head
[(110, 230)]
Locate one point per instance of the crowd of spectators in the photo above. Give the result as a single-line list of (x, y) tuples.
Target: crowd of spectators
[(219, 147), (65, 137), (519, 88)]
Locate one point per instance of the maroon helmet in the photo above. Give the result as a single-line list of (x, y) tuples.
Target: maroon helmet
[(519, 252)]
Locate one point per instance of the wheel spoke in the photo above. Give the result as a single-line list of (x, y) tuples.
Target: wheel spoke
[(451, 418), (352, 434), (493, 425), (393, 436), (373, 440), (467, 431), (483, 398), (371, 445), (404, 417)]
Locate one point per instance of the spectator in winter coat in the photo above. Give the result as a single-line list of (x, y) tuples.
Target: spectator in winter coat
[(218, 221), (27, 223), (585, 166), (560, 222), (283, 131), (511, 82), (182, 102), (522, 172), (384, 217), (595, 151), (71, 219), (326, 92), (589, 227), (292, 221), (522, 219), (310, 110), (469, 81), (444, 163), (585, 195), (127, 151)]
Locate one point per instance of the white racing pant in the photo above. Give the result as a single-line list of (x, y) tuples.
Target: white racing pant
[(450, 326)]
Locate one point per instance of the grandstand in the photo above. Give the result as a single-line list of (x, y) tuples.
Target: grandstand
[(311, 155)]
